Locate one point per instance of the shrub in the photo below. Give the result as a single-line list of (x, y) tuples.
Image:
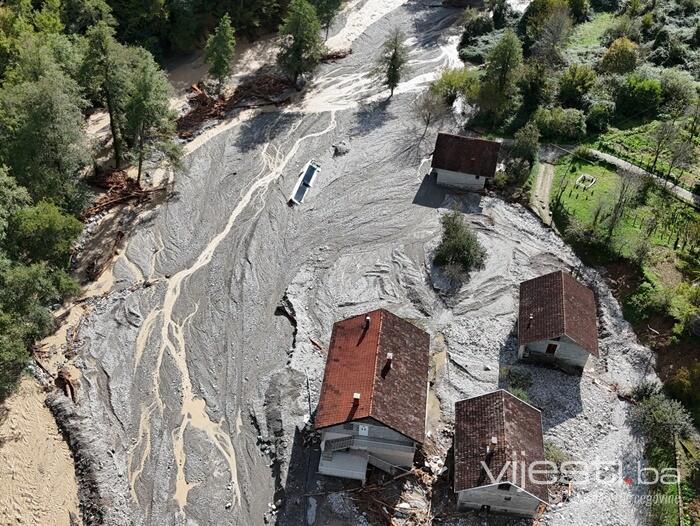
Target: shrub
[(561, 123), (600, 115), (475, 25), (519, 392), (574, 84), (459, 245), (646, 389), (554, 454), (660, 419), (647, 300), (620, 57), (456, 82), (639, 94)]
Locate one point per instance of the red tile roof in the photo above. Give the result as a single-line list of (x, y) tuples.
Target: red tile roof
[(517, 429), (357, 363), (466, 155), (556, 305)]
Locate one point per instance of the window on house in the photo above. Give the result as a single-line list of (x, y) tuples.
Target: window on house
[(552, 348), (504, 487), (508, 498)]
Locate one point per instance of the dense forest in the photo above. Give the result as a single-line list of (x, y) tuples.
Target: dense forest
[(58, 62)]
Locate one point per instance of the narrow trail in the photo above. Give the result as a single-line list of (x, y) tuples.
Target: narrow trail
[(194, 410)]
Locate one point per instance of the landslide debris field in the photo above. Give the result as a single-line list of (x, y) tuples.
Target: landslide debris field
[(203, 364)]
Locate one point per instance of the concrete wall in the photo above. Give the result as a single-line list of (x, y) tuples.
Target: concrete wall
[(568, 353), (459, 180), (514, 501), (380, 442)]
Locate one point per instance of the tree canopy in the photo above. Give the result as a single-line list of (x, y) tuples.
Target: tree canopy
[(219, 50), (302, 46)]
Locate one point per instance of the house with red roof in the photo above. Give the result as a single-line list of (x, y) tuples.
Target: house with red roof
[(557, 323), (464, 162), (499, 455), (372, 406)]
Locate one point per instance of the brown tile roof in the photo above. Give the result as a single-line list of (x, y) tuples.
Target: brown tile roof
[(357, 363), (466, 155), (559, 306), (517, 429)]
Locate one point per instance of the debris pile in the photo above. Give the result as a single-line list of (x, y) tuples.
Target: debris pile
[(260, 90), (119, 188), (336, 54)]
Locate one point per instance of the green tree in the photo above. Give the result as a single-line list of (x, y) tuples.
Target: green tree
[(79, 15), (536, 15), (12, 198), (639, 95), (42, 139), (574, 84), (392, 62), (219, 50), (526, 143), (326, 11), (459, 245), (302, 46), (660, 419), (43, 233), (499, 88), (106, 70), (620, 57), (552, 36), (678, 90), (150, 123)]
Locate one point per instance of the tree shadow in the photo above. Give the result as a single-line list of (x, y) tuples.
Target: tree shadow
[(371, 116), (263, 128), (431, 21)]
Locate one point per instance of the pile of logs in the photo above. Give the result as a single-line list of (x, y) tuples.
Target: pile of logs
[(332, 56), (119, 188), (260, 90)]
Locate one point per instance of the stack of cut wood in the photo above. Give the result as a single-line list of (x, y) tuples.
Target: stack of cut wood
[(119, 188), (337, 54)]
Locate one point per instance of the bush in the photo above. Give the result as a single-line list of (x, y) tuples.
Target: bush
[(475, 25), (526, 143), (519, 392), (568, 124), (647, 300), (600, 115), (660, 419), (574, 84), (456, 82), (459, 245), (639, 94), (620, 57), (554, 454)]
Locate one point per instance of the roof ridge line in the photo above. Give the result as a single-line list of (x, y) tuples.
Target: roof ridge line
[(563, 302), (376, 361)]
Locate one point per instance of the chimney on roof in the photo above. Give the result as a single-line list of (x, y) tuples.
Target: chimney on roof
[(367, 321), (356, 399), (494, 441), (529, 320), (389, 359)]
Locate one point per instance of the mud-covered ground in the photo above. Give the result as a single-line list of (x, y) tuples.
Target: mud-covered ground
[(203, 365)]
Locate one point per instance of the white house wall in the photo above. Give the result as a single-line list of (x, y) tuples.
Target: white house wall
[(568, 352), (459, 179), (520, 503)]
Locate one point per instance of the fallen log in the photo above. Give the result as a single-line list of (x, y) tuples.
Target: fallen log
[(337, 54)]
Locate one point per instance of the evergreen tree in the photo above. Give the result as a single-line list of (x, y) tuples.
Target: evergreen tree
[(105, 72), (393, 61), (302, 47), (42, 139), (219, 50), (150, 123), (326, 11)]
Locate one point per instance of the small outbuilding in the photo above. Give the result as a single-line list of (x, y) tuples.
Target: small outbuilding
[(372, 406), (557, 323), (499, 455), (464, 162)]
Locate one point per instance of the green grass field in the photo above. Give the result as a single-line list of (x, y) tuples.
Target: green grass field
[(637, 146), (590, 34), (583, 204)]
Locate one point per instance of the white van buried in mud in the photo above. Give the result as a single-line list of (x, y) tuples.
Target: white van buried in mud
[(305, 182)]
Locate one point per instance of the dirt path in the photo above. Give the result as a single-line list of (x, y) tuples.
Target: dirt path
[(539, 196), (37, 479)]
